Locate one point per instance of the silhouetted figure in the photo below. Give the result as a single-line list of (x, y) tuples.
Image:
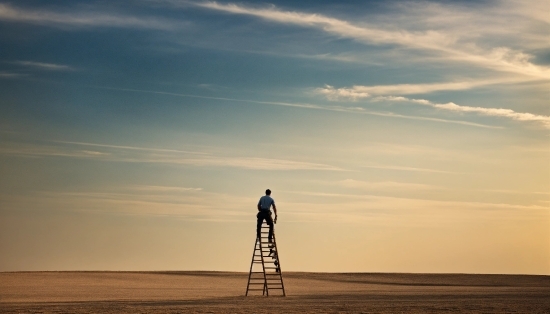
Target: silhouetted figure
[(264, 212)]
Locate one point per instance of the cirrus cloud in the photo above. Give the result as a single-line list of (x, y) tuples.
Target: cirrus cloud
[(362, 92)]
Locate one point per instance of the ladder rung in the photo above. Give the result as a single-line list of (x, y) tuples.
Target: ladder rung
[(255, 289)]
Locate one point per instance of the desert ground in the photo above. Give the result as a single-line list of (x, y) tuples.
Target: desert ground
[(223, 292)]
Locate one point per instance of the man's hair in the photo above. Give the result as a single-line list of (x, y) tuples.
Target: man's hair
[(268, 192)]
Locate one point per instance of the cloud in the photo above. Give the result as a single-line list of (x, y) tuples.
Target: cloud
[(94, 153), (48, 150), (4, 74), (158, 188), (327, 207), (132, 154), (189, 204), (384, 185), (346, 109), (357, 92), (448, 45), (408, 169), (45, 66), (495, 112), (9, 13), (257, 163), (351, 94), (393, 211), (518, 192), (124, 147), (409, 203)]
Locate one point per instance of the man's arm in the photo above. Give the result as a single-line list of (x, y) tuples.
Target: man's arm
[(275, 211)]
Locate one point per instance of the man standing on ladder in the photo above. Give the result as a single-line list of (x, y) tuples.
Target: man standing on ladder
[(264, 212)]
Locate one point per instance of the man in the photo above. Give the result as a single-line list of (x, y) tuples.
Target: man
[(264, 205)]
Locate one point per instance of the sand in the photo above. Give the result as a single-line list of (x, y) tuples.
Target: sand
[(223, 292)]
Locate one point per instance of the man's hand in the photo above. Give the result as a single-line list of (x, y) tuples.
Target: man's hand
[(275, 221)]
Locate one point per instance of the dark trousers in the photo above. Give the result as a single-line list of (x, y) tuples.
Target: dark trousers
[(264, 214)]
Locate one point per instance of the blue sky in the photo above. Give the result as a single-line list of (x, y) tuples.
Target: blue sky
[(396, 136)]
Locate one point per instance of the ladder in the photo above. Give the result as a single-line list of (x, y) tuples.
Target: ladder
[(270, 277)]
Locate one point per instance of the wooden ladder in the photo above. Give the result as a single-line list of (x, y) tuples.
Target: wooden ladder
[(270, 278)]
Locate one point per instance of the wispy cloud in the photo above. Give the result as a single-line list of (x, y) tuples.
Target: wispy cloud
[(132, 154), (161, 188), (346, 109), (517, 192), (448, 45), (357, 92), (396, 211), (384, 185), (4, 74), (81, 18), (328, 207), (406, 202), (48, 150), (495, 112), (45, 66), (185, 204), (354, 95), (125, 147), (408, 169)]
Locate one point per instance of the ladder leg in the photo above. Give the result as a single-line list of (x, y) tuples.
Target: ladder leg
[(266, 290), (279, 265), (251, 264)]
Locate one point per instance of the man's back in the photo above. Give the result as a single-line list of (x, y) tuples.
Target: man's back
[(265, 202)]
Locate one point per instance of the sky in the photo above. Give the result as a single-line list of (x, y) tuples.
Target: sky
[(396, 136)]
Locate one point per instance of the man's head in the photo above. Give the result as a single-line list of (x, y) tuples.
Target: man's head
[(268, 192)]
